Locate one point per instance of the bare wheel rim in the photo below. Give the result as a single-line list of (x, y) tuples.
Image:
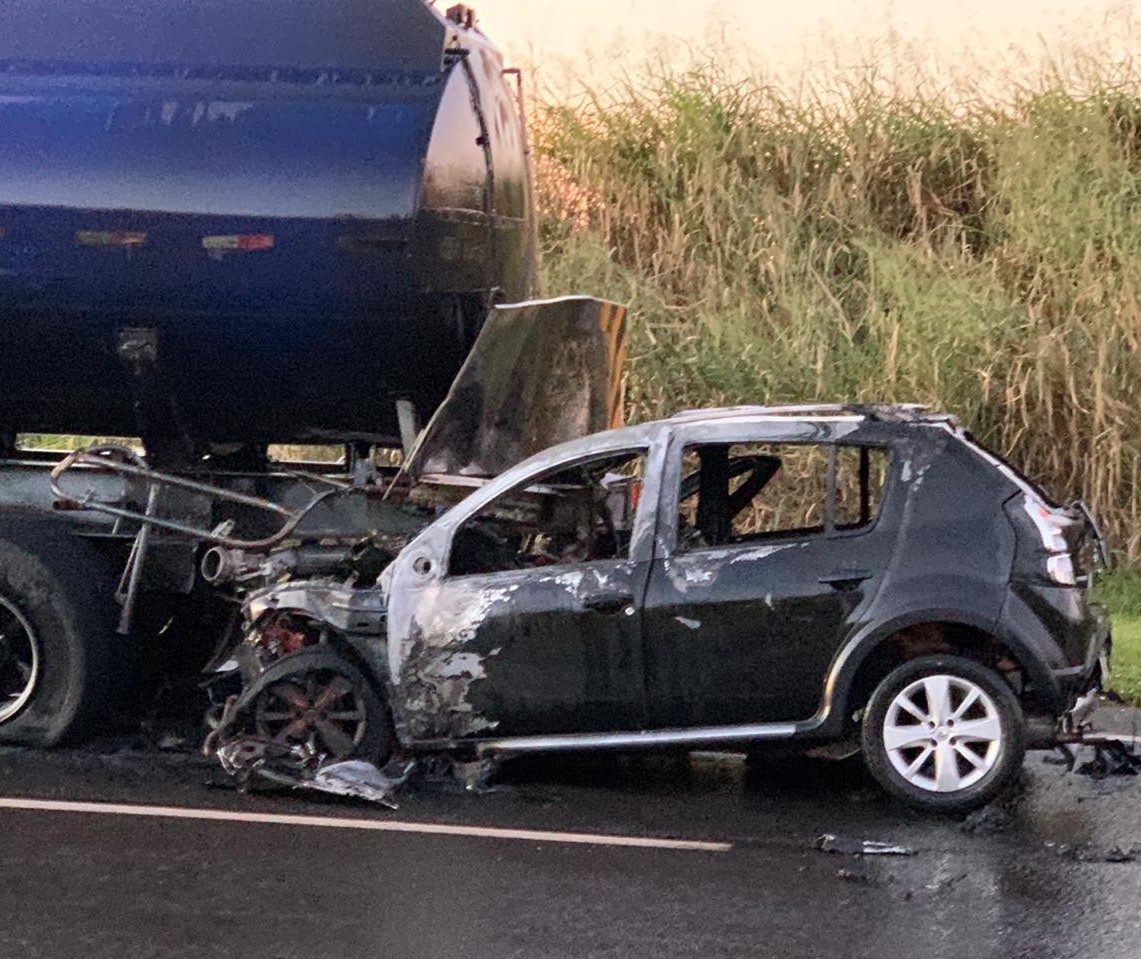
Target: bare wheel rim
[(321, 709), (943, 733), (19, 661)]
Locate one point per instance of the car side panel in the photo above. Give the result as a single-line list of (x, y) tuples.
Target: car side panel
[(952, 561), (746, 634)]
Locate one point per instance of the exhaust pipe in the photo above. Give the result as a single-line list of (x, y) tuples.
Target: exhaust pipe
[(221, 565)]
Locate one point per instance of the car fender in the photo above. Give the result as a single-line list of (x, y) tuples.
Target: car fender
[(852, 655)]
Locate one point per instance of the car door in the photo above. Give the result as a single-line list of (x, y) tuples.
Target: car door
[(741, 625), (496, 633)]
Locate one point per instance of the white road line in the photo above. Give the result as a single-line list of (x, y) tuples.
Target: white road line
[(364, 825)]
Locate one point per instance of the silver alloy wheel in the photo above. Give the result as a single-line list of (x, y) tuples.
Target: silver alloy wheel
[(19, 661), (943, 733)]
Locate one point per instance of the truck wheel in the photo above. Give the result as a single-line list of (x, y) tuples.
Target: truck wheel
[(944, 733), (61, 665)]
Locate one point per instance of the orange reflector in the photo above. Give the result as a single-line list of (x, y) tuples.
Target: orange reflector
[(238, 243), (110, 238)]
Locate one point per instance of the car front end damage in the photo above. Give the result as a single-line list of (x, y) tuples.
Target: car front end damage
[(298, 698)]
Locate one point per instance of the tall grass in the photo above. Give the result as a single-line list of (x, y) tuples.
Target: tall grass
[(776, 246)]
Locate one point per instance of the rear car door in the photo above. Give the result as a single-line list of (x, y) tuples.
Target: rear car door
[(770, 548), (532, 623)]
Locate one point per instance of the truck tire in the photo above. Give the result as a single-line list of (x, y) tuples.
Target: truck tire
[(61, 664), (944, 733)]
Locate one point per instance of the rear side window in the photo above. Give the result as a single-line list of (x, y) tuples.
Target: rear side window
[(741, 492)]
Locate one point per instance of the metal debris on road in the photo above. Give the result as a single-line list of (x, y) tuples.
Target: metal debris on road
[(358, 779), (860, 847), (1088, 853), (1111, 758), (299, 767)]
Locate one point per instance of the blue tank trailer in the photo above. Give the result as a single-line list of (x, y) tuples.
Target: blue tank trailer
[(225, 226), (250, 225)]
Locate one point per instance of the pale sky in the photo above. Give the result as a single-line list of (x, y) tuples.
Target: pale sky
[(791, 37)]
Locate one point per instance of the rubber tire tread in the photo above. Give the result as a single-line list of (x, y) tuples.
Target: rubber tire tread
[(66, 590), (1010, 715)]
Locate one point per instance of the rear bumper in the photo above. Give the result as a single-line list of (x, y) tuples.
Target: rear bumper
[(1094, 669), (1064, 640)]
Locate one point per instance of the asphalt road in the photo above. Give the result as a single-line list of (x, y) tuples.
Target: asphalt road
[(94, 881)]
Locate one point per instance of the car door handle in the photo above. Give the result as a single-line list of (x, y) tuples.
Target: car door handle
[(608, 602), (845, 579)]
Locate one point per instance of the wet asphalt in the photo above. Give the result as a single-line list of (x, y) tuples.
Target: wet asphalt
[(1034, 876)]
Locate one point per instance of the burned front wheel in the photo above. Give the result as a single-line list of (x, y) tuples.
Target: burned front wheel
[(944, 733), (332, 709)]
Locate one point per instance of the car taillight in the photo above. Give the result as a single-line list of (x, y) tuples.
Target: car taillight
[(1051, 529)]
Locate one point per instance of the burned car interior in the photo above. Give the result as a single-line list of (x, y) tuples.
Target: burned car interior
[(574, 515), (731, 493)]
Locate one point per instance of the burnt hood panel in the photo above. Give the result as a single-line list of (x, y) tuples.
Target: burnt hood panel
[(541, 373)]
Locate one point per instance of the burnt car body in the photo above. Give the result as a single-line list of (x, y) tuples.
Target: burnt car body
[(730, 577)]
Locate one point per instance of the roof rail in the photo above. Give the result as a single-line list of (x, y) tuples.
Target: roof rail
[(876, 412), (727, 412)]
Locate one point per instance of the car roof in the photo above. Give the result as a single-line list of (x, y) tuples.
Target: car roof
[(851, 414), (644, 434), (816, 412)]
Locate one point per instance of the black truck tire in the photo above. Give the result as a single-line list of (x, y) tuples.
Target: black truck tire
[(57, 611)]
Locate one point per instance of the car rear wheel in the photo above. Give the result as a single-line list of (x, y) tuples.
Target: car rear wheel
[(944, 733)]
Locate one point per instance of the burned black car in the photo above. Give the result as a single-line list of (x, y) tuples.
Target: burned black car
[(726, 577)]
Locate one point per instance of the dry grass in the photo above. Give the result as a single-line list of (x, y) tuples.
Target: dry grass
[(984, 259)]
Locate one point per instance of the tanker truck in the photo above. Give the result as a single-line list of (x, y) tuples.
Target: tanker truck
[(228, 229)]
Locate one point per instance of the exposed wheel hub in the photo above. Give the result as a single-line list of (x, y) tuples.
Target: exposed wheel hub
[(319, 708)]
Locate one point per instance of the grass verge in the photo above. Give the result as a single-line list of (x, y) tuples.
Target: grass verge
[(1125, 676), (1120, 591), (843, 241)]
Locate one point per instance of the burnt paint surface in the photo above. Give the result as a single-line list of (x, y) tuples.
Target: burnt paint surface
[(519, 654)]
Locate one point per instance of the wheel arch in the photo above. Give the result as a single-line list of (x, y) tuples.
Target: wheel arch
[(863, 662)]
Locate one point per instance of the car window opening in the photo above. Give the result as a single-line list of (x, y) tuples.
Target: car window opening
[(740, 493), (578, 514)]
